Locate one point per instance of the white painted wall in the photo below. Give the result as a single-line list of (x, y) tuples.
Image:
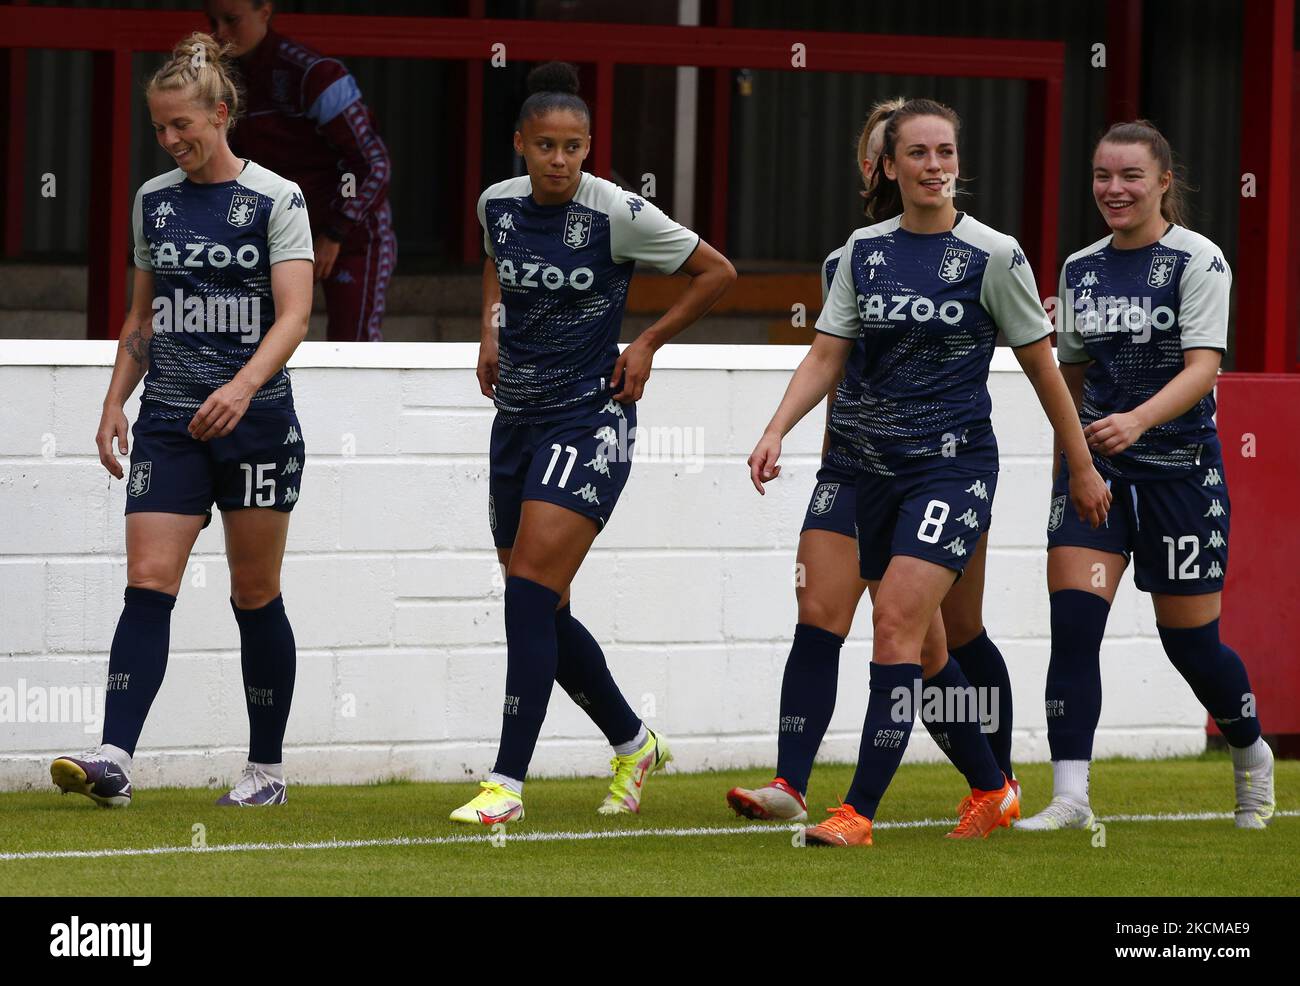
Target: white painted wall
[(396, 600)]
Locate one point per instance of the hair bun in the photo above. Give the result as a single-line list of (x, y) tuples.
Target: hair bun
[(553, 77), (203, 46)]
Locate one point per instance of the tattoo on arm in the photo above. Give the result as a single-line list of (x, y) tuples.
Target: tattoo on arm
[(137, 347)]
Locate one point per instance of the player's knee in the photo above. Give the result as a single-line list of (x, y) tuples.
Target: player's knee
[(528, 562), (523, 567), (817, 610), (253, 591), (891, 628), (961, 628), (152, 574)]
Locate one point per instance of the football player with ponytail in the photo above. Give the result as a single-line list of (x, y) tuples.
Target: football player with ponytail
[(222, 293), (1141, 331), (831, 587), (562, 245), (925, 292)]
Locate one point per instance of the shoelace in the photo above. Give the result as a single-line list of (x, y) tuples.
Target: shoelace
[(491, 790), (619, 785), (841, 820), (615, 763), (248, 783), (974, 812)]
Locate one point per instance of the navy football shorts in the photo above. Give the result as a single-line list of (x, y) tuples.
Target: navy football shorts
[(833, 506), (936, 516), (580, 462), (259, 464), (1174, 530)]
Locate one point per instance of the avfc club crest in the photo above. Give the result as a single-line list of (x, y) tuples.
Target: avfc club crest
[(138, 483), (824, 498), (1162, 270), (243, 208), (577, 228), (1057, 513), (953, 266)]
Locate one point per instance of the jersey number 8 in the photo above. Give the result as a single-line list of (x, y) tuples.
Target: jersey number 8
[(936, 512)]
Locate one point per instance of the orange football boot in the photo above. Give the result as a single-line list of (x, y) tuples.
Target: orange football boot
[(845, 827), (1015, 812), (983, 811)]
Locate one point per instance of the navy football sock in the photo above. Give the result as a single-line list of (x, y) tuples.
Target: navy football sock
[(884, 733), (136, 664), (531, 659), (986, 669), (960, 735), (268, 657), (1218, 678), (812, 673), (582, 671), (1073, 694)]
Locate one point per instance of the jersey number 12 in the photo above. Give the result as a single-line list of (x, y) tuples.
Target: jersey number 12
[(1186, 570)]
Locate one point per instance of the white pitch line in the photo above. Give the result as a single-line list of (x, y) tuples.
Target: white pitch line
[(451, 840)]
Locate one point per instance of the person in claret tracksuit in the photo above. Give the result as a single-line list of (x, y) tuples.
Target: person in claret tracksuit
[(306, 121)]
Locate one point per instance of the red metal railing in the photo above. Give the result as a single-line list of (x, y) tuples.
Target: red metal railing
[(113, 35)]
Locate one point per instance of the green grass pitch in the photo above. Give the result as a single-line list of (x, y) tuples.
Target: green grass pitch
[(1163, 857)]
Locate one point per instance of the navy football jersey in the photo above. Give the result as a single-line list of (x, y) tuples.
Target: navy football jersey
[(564, 272), (926, 309), (210, 248), (843, 420), (1130, 314)]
